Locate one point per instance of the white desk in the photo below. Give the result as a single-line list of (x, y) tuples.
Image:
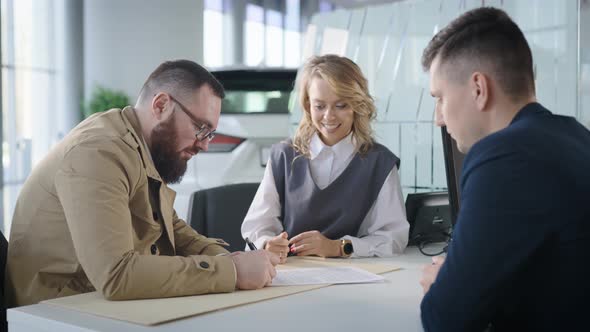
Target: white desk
[(393, 306)]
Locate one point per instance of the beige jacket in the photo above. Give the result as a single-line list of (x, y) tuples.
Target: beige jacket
[(95, 215)]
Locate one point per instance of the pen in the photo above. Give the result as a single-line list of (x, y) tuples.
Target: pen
[(250, 244)]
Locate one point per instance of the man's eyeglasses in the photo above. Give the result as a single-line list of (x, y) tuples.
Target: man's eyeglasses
[(202, 131)]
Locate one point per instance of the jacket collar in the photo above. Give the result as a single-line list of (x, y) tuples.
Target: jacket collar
[(528, 110), (167, 195), (132, 123)]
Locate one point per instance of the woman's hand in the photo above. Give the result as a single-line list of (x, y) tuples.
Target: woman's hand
[(314, 243), (279, 245)]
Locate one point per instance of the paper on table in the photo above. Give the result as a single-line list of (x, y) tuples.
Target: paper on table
[(157, 311), (324, 275)]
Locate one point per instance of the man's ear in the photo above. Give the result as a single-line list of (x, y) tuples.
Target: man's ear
[(159, 103), (480, 86)]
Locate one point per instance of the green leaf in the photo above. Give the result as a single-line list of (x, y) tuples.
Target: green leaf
[(103, 99)]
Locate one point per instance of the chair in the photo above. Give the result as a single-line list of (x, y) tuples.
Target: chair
[(218, 212), (3, 252)]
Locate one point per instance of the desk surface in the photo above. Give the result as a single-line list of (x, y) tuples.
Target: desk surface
[(393, 305)]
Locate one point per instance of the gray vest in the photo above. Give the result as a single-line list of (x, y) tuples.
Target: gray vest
[(340, 208)]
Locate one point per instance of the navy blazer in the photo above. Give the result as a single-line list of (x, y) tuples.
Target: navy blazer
[(520, 251)]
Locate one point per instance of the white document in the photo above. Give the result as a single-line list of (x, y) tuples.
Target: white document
[(324, 275)]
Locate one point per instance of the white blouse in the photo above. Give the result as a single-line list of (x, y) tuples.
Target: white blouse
[(384, 230)]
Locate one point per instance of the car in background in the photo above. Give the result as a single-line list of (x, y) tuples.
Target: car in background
[(254, 116)]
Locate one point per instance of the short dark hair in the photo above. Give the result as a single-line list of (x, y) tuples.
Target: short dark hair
[(486, 36), (183, 77)]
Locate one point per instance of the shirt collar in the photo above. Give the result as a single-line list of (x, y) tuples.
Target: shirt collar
[(342, 149)]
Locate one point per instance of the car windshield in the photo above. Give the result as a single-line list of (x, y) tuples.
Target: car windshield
[(256, 102), (253, 91)]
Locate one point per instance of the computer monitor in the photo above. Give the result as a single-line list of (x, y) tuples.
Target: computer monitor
[(429, 216), (453, 167)]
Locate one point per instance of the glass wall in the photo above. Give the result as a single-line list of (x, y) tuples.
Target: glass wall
[(41, 85), (28, 81), (254, 36), (255, 33), (213, 36)]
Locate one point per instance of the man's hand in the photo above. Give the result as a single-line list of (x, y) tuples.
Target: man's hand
[(279, 245), (429, 272), (315, 243), (255, 269)]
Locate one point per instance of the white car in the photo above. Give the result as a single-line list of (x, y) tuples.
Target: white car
[(254, 115)]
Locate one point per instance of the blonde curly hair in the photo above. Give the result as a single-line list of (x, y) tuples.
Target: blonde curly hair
[(348, 82)]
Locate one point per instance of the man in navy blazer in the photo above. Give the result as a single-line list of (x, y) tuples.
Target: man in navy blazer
[(519, 257)]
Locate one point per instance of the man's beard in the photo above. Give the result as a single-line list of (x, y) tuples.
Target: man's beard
[(167, 160)]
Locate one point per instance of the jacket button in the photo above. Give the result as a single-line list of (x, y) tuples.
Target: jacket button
[(204, 265), (154, 249), (155, 215)]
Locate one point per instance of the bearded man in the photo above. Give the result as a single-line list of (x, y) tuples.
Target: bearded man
[(96, 213)]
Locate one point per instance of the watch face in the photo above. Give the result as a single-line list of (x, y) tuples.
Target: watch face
[(347, 248)]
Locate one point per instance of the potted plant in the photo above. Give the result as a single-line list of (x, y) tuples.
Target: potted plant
[(103, 99)]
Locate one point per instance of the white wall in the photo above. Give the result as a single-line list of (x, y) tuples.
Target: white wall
[(124, 41)]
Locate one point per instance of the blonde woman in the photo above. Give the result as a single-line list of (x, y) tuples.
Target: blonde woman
[(332, 191)]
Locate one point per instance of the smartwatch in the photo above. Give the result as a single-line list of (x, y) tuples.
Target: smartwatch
[(346, 248)]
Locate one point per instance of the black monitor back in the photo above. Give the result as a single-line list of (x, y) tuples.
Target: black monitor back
[(429, 216), (453, 166)]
